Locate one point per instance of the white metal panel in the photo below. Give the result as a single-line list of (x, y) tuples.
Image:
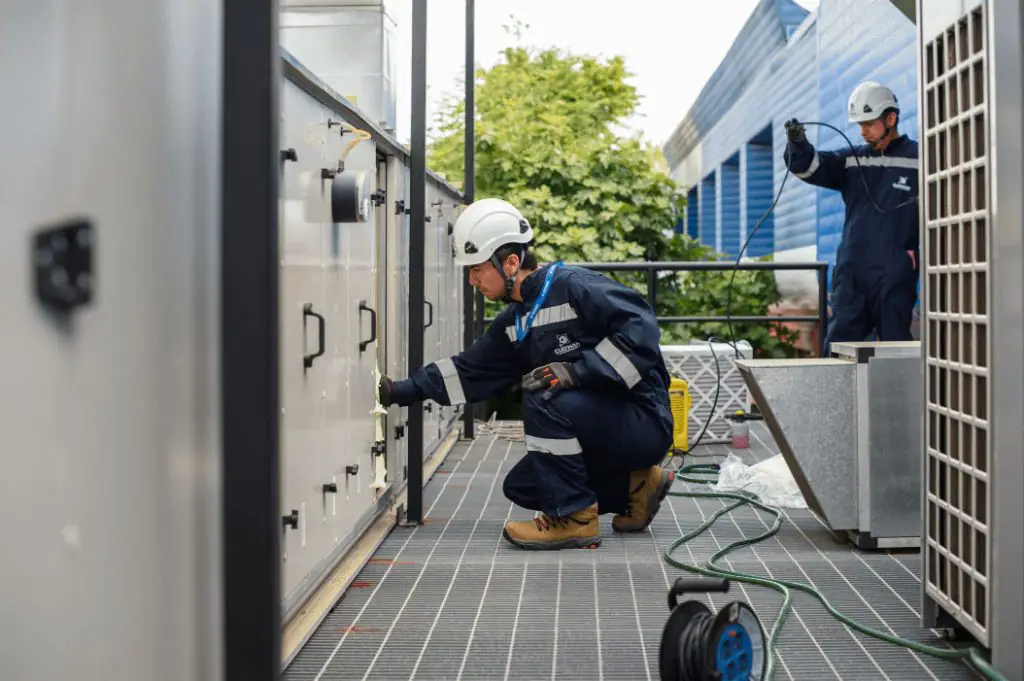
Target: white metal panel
[(338, 451), (450, 302), (359, 255), (364, 263), (956, 254), (303, 198), (431, 336), (111, 481), (331, 431), (971, 163)]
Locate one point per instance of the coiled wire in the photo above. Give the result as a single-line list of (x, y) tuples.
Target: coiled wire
[(693, 646)]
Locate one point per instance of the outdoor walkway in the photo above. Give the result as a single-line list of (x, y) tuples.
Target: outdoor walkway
[(451, 599)]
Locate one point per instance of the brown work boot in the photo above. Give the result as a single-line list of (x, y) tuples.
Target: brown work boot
[(647, 489), (579, 530)]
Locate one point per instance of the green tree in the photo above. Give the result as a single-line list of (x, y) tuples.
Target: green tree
[(546, 140)]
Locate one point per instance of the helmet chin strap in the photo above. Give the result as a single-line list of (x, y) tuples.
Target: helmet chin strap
[(885, 135), (510, 282)]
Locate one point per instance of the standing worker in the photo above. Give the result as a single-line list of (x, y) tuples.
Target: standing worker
[(595, 388), (874, 285)]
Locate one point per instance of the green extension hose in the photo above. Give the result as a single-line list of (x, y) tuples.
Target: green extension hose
[(971, 656)]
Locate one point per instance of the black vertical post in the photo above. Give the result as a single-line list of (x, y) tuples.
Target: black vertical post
[(469, 189), (822, 309), (417, 243), (652, 289), (250, 393)]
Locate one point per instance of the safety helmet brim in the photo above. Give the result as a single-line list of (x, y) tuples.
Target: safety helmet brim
[(464, 259)]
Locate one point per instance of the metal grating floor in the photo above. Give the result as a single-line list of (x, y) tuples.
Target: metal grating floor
[(451, 599)]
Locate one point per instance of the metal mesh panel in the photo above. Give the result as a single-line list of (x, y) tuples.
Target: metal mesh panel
[(696, 364), (451, 599), (957, 216)]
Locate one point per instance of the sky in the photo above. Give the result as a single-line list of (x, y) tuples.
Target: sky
[(672, 48)]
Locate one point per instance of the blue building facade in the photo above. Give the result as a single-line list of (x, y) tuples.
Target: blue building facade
[(786, 63)]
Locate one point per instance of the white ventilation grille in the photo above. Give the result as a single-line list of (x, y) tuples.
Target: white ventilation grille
[(956, 294), (695, 363)]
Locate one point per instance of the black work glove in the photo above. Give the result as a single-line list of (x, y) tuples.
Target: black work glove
[(555, 377), (387, 391), (795, 131)]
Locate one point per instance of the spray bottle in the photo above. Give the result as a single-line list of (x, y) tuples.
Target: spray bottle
[(740, 430)]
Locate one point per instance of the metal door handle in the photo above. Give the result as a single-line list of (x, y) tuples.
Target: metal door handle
[(430, 306), (373, 325), (307, 311)]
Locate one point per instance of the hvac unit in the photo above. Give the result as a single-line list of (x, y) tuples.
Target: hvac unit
[(696, 364), (973, 321), (350, 45)]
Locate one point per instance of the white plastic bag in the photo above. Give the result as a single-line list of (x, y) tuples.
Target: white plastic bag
[(771, 480)]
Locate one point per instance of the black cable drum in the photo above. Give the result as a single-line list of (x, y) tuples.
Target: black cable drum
[(698, 645)]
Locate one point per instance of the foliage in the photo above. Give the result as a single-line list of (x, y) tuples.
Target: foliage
[(546, 141), (706, 294)]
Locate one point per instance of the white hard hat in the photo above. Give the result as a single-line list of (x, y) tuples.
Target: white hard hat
[(484, 227), (869, 101)]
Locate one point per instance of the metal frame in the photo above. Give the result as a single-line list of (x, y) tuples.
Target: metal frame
[(417, 244), (249, 333), (469, 191), (1006, 31), (652, 269)]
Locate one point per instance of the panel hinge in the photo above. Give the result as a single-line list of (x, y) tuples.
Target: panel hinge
[(399, 207)]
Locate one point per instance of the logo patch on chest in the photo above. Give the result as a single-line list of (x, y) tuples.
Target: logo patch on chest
[(565, 344), (901, 184)]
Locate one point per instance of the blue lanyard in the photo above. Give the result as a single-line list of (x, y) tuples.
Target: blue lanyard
[(523, 329)]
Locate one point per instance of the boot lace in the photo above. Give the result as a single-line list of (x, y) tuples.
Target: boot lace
[(546, 523)]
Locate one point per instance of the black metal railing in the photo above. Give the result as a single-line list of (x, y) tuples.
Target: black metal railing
[(653, 269)]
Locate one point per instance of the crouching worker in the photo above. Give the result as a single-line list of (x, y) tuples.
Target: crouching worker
[(595, 388)]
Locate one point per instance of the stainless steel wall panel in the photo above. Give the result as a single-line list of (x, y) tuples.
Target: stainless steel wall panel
[(351, 48), (112, 478), (893, 478)]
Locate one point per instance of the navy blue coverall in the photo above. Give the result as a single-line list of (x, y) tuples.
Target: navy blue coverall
[(583, 442), (874, 285)]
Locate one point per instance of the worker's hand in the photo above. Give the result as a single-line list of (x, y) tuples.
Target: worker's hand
[(795, 131), (555, 376), (387, 391)]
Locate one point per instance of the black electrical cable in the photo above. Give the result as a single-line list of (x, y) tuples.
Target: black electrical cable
[(746, 243), (714, 402), (693, 645)]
